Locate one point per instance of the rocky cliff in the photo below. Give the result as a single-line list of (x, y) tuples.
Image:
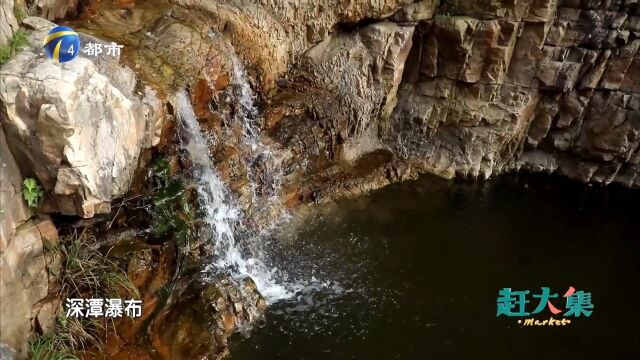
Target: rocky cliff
[(352, 95), (360, 93), (539, 85), (8, 22), (488, 87), (79, 132), (384, 90), (79, 129)]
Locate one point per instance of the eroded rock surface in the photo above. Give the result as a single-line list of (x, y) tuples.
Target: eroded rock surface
[(273, 35), (362, 93), (24, 276), (8, 22), (78, 127), (539, 85), (487, 88)]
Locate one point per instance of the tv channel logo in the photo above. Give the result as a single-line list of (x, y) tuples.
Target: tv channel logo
[(62, 44)]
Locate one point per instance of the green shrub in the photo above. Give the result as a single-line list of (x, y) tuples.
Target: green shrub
[(86, 272), (171, 211), (71, 335), (32, 192), (15, 44)]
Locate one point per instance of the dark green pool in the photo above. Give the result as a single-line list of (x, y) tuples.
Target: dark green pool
[(413, 271)]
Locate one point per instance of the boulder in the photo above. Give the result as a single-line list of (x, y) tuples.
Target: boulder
[(78, 127), (8, 22)]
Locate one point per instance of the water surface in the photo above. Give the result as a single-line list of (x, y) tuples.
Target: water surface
[(413, 270)]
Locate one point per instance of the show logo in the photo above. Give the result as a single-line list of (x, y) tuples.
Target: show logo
[(62, 44), (513, 303)]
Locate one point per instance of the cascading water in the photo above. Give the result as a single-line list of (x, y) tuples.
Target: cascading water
[(239, 250), (264, 186), (222, 218)]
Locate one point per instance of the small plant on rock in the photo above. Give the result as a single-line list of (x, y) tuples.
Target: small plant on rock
[(15, 44), (171, 211), (50, 347), (32, 192)]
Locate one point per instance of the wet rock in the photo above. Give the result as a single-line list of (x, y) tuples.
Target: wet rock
[(271, 36), (202, 312), (58, 115), (140, 267)]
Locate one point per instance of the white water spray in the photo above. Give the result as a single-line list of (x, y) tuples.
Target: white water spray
[(222, 218), (264, 185)]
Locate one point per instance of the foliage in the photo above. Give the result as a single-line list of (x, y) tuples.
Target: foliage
[(50, 347), (15, 44), (89, 272), (32, 192), (86, 272), (119, 280), (86, 269), (70, 336), (172, 213), (79, 333)]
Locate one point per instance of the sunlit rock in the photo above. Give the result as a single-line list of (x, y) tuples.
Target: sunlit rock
[(79, 127)]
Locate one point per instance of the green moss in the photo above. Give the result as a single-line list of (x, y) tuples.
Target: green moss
[(19, 40), (5, 53)]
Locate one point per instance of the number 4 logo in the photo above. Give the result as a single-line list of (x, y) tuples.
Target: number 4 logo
[(71, 50)]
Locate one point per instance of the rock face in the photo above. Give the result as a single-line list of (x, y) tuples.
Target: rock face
[(55, 9), (8, 23), (487, 88), (78, 127), (378, 91), (272, 35), (539, 85), (24, 276), (358, 74)]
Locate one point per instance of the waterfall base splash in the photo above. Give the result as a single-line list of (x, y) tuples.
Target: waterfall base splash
[(223, 220)]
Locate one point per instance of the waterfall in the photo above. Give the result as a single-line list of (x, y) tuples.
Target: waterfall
[(264, 186), (223, 219)]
